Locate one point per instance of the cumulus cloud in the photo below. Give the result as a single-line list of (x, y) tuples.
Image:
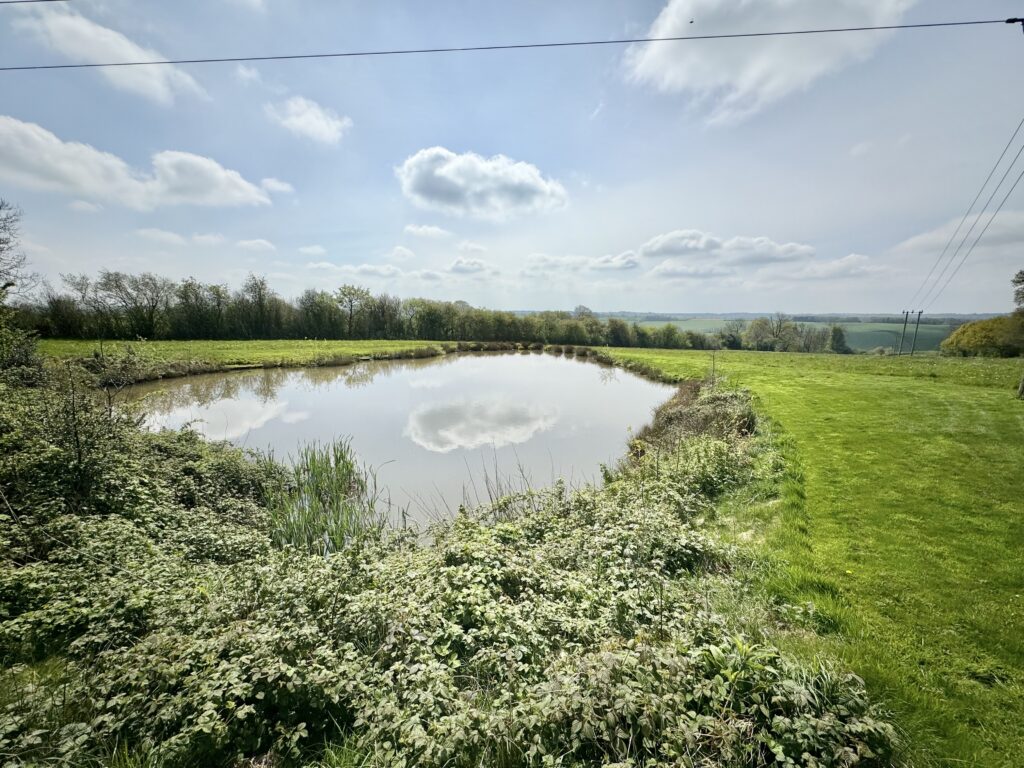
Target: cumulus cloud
[(426, 274), (247, 74), (1005, 237), (467, 266), (401, 253), (468, 246), (357, 270), (680, 242), (673, 270), (82, 41), (277, 186), (623, 261), (735, 250), (469, 184), (470, 424), (34, 158), (854, 265), (313, 250), (256, 245), (427, 231), (736, 78), (304, 117)]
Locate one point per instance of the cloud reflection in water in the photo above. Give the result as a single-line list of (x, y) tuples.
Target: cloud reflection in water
[(469, 424)]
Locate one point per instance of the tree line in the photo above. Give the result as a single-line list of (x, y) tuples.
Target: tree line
[(118, 305)]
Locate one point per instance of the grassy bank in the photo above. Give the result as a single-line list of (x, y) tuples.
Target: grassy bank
[(904, 525), (228, 354)]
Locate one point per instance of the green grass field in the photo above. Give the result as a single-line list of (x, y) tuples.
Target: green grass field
[(860, 336), (234, 353), (902, 522), (910, 532)]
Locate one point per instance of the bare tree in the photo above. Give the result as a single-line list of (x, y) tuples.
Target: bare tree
[(14, 275)]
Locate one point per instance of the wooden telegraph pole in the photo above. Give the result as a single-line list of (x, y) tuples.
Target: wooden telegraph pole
[(913, 345), (906, 319)]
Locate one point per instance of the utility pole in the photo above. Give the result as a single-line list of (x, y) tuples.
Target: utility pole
[(916, 328), (906, 319)]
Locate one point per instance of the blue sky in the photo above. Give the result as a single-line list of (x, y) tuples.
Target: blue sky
[(797, 174)]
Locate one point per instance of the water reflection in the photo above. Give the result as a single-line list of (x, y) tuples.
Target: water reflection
[(441, 431), (443, 427)]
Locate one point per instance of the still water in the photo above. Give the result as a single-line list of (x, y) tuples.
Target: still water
[(439, 432)]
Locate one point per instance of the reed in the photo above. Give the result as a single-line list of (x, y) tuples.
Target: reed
[(327, 501)]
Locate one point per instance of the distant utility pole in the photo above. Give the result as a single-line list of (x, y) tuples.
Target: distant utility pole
[(906, 319), (916, 328)]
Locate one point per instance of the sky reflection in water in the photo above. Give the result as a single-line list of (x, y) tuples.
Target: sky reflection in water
[(440, 431)]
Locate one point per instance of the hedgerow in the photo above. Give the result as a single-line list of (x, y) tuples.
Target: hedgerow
[(149, 606)]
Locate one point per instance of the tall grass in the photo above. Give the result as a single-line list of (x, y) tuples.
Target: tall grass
[(327, 501)]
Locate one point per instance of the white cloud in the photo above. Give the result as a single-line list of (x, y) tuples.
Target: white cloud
[(762, 250), (735, 250), (680, 242), (34, 158), (426, 274), (623, 261), (277, 186), (854, 265), (673, 270), (246, 74), (401, 253), (210, 239), (256, 245), (467, 266), (161, 236), (81, 206), (313, 250), (736, 78), (469, 247), (426, 230), (357, 270), (306, 118), (1003, 241), (444, 427), (469, 184), (85, 42)]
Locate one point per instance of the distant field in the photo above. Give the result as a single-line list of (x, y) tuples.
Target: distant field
[(905, 531), (860, 336)]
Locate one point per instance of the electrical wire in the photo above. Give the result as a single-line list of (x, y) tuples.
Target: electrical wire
[(967, 214), (510, 47), (978, 238), (981, 213)]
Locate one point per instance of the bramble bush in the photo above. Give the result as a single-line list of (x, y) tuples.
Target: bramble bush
[(152, 605)]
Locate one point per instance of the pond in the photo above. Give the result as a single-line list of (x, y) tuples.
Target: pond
[(439, 432)]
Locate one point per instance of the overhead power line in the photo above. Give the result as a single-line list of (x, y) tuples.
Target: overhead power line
[(978, 238), (510, 47), (967, 214), (19, 2), (977, 219)]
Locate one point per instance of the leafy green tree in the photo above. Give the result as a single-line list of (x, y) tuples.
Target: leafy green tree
[(352, 298), (837, 341)]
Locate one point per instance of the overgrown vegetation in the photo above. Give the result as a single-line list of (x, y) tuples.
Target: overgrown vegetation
[(164, 601), (997, 337)]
